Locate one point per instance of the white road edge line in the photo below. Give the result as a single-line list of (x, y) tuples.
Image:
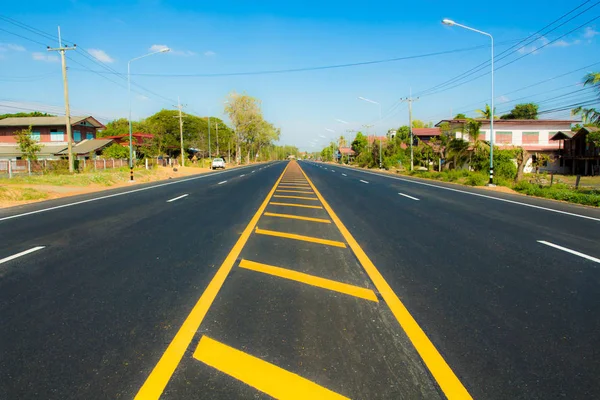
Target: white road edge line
[(479, 195), (220, 183), (177, 198), (114, 195), (364, 181), (570, 251), (21, 254), (410, 197), (344, 174)]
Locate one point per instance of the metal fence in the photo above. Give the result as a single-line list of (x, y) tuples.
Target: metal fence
[(10, 168)]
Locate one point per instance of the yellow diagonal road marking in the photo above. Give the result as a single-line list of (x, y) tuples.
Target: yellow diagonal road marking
[(312, 280), (295, 186), (291, 216), (300, 237), (295, 197), (294, 205), (294, 191), (264, 376), (162, 372), (441, 371)]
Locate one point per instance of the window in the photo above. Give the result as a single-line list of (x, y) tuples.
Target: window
[(503, 137), (56, 135), (35, 135), (89, 135), (77, 136), (531, 137)]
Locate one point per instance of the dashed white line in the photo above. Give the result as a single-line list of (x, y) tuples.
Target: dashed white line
[(364, 181), (242, 175), (177, 198), (220, 183), (570, 251), (344, 175), (21, 254), (333, 170), (253, 171), (410, 197)]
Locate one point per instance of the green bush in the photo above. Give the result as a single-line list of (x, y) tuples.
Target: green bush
[(477, 179), (560, 192)]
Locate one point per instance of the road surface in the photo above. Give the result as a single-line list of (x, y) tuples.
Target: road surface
[(299, 280)]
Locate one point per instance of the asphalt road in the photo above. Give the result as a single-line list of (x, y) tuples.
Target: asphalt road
[(325, 282)]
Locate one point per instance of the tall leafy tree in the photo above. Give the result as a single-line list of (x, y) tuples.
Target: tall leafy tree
[(486, 113), (591, 115), (523, 111)]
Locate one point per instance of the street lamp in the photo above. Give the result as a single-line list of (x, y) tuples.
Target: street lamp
[(164, 50), (449, 22), (379, 104)]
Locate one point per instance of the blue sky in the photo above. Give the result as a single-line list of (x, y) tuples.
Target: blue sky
[(240, 36)]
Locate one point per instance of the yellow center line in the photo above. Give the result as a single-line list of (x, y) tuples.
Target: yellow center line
[(294, 191), (161, 374), (439, 368), (295, 197), (300, 237), (290, 216), (312, 280), (293, 205), (264, 376)]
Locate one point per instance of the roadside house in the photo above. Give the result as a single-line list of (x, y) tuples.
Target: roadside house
[(346, 153), (576, 155), (426, 134), (532, 135), (49, 131)]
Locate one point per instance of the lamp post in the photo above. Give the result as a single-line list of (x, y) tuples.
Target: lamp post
[(379, 104), (449, 22), (166, 49)]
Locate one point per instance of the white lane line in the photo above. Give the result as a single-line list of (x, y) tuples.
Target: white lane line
[(344, 175), (410, 197), (364, 181), (570, 251), (253, 171), (220, 183), (115, 195), (177, 198), (333, 170), (242, 175), (21, 254), (481, 195)]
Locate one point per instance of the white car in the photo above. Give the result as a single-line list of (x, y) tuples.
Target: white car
[(217, 163)]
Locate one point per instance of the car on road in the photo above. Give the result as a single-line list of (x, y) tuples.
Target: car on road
[(217, 163)]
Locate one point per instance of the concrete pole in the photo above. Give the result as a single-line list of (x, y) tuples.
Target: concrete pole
[(66, 93)]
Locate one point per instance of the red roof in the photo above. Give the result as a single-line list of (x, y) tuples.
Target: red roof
[(427, 131), (347, 151), (372, 138)]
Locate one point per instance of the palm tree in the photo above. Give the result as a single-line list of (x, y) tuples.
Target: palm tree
[(589, 115), (486, 113)]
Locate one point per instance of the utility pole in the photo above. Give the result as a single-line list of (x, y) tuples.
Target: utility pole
[(209, 149), (62, 50), (217, 128), (410, 100), (180, 106)]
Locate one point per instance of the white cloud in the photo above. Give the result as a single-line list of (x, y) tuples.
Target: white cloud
[(141, 97), (44, 57), (11, 46), (158, 47), (561, 43), (209, 53), (101, 56), (503, 99), (590, 32)]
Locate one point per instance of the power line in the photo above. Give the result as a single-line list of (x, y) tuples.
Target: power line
[(487, 63), (317, 68)]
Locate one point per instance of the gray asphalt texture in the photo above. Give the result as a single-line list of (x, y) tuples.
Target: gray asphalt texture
[(90, 315)]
